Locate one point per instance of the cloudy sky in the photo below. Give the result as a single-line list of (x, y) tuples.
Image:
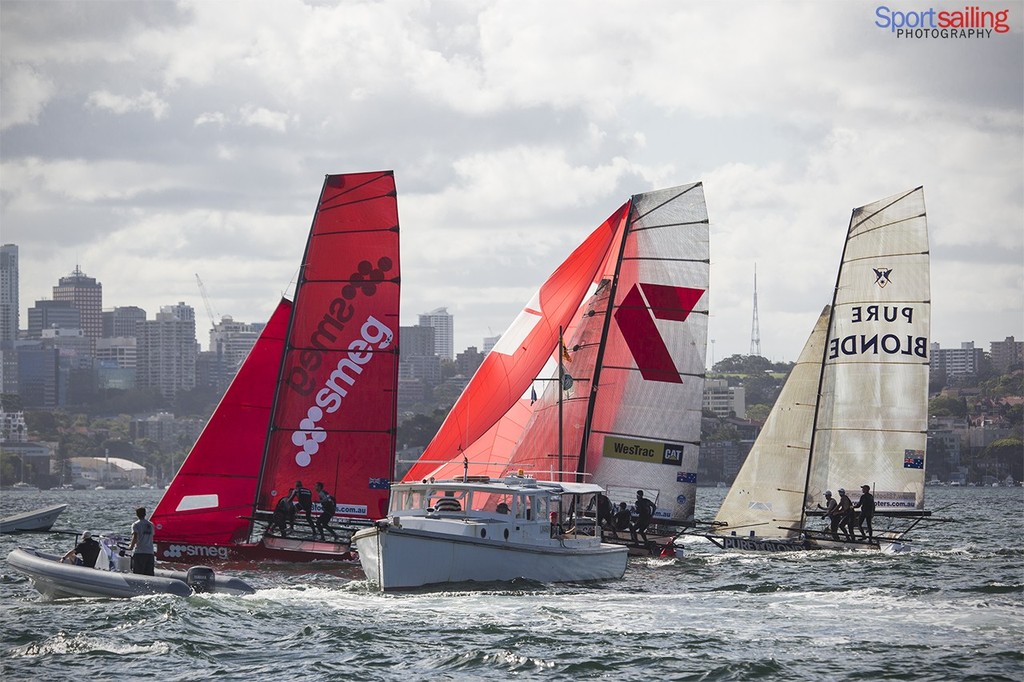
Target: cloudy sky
[(150, 141)]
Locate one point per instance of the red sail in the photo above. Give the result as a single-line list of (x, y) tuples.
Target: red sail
[(334, 418), (508, 370), (209, 499)]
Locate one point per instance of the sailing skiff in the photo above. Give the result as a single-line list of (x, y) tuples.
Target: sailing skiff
[(853, 411), (621, 403), (315, 400)]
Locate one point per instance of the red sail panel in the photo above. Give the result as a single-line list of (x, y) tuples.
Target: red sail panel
[(212, 493), (510, 367), (334, 418), (491, 453)]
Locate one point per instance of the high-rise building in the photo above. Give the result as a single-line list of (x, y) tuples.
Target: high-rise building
[(86, 294), (417, 341), (52, 315), (9, 310), (489, 343), (231, 341), (166, 351), (444, 331), (952, 362), (121, 321), (1007, 354)]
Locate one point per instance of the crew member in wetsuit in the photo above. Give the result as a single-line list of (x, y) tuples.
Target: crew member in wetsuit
[(644, 513), (845, 511), (328, 506), (303, 502), (831, 513), (866, 505)]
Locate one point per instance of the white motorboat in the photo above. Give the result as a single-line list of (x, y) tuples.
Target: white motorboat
[(56, 579), (458, 530), (37, 520)]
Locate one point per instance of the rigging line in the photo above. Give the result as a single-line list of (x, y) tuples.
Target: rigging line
[(835, 429)]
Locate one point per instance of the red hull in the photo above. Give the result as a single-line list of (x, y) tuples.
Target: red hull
[(285, 550)]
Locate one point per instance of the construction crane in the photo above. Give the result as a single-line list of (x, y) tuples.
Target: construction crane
[(206, 301)]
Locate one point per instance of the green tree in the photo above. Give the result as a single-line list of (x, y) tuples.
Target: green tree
[(947, 406)]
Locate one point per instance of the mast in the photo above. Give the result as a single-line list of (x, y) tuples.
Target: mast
[(821, 372), (561, 379), (596, 379)]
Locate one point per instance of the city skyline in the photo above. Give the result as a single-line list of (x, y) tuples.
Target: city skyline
[(513, 130), (203, 334)]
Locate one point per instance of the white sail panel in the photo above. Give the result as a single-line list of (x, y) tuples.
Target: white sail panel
[(644, 431), (767, 496)]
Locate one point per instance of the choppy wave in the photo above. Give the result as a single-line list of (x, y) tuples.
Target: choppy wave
[(952, 608)]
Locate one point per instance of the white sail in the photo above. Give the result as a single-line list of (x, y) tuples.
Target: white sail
[(767, 496), (872, 420)]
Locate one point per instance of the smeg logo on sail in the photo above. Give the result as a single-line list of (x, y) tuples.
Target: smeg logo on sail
[(874, 315), (303, 377)]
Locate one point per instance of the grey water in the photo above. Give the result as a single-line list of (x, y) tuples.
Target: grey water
[(950, 609)]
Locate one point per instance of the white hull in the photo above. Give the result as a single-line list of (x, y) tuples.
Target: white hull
[(32, 521), (395, 558)]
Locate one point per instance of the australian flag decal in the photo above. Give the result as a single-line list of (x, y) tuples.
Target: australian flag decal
[(384, 484), (686, 477), (913, 459)]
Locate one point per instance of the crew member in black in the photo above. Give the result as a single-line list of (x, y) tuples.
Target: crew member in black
[(303, 502), (88, 548), (327, 506), (831, 513), (621, 520), (845, 511), (604, 511), (644, 513), (866, 505), (284, 516)]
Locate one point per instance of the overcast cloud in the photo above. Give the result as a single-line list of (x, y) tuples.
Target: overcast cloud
[(149, 141)]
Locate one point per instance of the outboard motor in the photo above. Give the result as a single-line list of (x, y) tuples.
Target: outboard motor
[(201, 579)]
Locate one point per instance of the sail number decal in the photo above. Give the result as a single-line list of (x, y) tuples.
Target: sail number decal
[(643, 451), (635, 316)]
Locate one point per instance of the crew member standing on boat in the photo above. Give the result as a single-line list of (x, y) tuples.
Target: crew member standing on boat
[(143, 558), (284, 516), (621, 520), (845, 512), (866, 505), (644, 513), (831, 513), (303, 502), (88, 548), (604, 511), (328, 506)]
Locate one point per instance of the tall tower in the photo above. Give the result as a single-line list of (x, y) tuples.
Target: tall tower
[(444, 331), (755, 327), (166, 351), (9, 304), (9, 322), (86, 294)]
